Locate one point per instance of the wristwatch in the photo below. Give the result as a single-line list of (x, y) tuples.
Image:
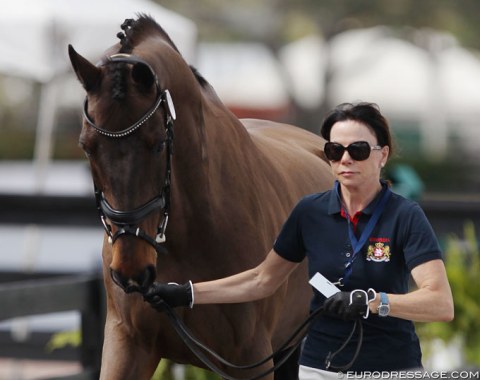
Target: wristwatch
[(384, 307)]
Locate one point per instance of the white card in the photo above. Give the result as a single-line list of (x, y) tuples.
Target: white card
[(324, 286)]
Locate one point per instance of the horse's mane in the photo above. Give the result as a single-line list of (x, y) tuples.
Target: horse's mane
[(200, 78), (134, 32)]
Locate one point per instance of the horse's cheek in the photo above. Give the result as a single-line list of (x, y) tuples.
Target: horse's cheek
[(106, 252)]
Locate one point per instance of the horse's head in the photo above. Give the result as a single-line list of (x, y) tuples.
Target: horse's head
[(127, 135)]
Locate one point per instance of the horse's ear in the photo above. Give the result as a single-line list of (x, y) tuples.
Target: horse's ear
[(142, 74), (87, 73)]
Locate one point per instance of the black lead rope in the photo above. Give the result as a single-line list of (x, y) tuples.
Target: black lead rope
[(330, 356), (196, 347)]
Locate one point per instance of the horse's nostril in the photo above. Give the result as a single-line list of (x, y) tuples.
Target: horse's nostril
[(139, 283), (118, 279)]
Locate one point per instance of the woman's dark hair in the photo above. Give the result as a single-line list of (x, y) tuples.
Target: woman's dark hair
[(365, 113)]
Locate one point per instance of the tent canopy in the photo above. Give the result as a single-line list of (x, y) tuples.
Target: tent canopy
[(34, 34)]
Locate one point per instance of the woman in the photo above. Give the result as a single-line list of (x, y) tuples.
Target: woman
[(359, 235)]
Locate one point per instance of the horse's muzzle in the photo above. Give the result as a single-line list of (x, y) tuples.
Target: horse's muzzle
[(140, 283)]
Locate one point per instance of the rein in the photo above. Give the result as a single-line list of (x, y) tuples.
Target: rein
[(199, 349), (127, 222)]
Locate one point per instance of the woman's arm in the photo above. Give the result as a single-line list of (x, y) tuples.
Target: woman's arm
[(432, 301), (253, 284)]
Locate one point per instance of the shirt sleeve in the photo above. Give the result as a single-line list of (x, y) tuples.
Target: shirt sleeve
[(289, 243), (421, 244)]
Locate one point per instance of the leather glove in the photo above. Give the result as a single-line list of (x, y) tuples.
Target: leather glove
[(349, 305), (173, 294)]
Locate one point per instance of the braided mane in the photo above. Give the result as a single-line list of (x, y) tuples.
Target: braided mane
[(134, 31)]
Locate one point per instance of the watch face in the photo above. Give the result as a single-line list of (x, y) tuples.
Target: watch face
[(383, 310)]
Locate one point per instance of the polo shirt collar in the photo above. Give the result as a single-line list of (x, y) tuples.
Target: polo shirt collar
[(335, 205)]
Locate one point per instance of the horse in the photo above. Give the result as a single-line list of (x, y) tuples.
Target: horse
[(187, 191)]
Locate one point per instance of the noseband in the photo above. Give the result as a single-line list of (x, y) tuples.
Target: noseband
[(127, 222)]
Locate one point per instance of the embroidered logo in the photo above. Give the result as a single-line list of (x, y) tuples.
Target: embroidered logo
[(378, 252)]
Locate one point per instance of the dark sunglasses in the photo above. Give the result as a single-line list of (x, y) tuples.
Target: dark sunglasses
[(358, 150)]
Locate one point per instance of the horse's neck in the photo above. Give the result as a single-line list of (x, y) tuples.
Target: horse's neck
[(208, 140), (212, 155)]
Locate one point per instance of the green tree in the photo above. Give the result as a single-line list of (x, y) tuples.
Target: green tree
[(463, 266), (219, 19)]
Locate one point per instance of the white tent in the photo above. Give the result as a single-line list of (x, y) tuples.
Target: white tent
[(34, 35), (372, 66), (437, 85), (305, 63), (229, 66)]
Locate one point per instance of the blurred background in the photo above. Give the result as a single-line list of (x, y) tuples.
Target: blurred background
[(285, 60)]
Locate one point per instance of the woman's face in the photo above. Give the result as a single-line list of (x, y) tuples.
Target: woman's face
[(357, 174)]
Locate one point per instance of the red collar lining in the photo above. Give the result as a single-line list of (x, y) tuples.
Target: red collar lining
[(353, 219)]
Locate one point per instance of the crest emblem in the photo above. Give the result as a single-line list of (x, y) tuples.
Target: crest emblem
[(378, 252)]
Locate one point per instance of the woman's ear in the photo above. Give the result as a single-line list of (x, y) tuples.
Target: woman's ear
[(385, 154)]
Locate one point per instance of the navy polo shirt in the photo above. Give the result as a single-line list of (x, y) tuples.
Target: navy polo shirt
[(402, 239)]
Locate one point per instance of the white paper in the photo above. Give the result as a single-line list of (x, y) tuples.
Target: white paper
[(324, 286)]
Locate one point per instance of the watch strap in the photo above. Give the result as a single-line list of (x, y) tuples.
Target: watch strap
[(384, 307), (383, 298)]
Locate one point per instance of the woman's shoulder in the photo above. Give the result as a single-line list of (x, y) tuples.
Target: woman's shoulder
[(405, 206), (314, 202), (319, 197)]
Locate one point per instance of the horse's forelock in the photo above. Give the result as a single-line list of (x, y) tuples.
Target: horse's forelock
[(119, 81)]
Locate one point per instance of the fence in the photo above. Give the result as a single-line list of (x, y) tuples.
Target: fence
[(447, 215), (27, 294), (80, 292)]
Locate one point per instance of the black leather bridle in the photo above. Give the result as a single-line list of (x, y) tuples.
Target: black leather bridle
[(127, 222)]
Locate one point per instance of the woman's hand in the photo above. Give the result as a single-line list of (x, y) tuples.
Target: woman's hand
[(173, 294), (349, 305)]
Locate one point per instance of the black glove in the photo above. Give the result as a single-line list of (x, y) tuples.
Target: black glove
[(349, 305), (173, 294)]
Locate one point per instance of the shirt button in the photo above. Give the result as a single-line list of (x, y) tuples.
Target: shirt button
[(347, 254)]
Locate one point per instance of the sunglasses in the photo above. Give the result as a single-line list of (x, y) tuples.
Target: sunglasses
[(358, 150)]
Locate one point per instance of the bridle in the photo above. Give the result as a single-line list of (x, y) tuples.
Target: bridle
[(127, 222)]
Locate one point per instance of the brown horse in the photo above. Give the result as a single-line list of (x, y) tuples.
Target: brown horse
[(224, 186)]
